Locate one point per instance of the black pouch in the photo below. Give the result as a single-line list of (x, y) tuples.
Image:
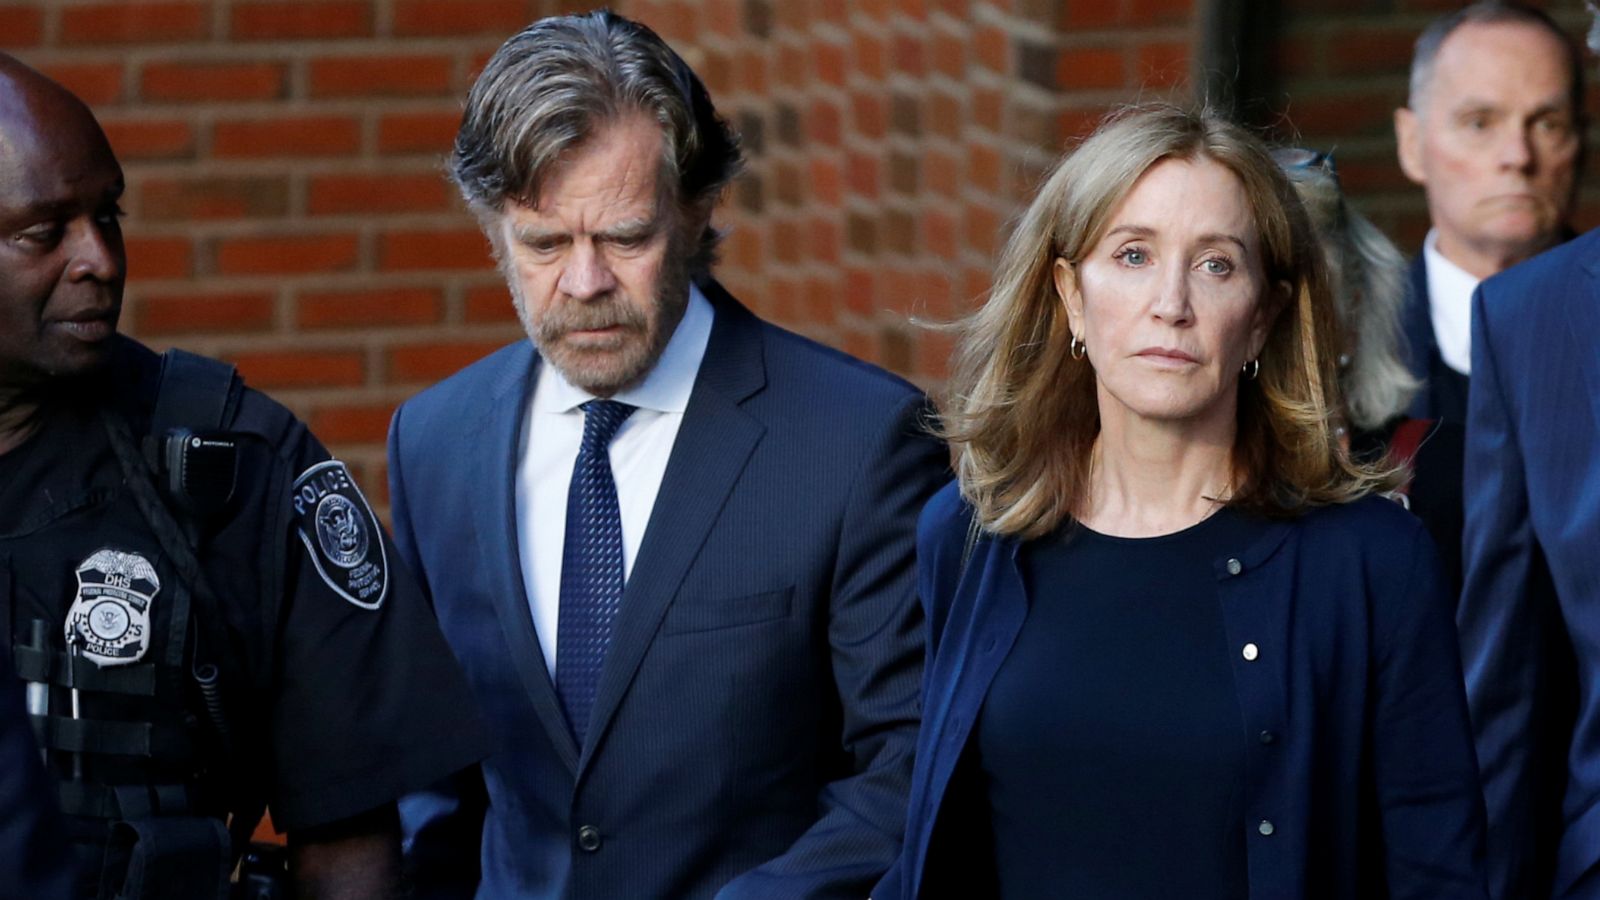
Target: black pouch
[(168, 858)]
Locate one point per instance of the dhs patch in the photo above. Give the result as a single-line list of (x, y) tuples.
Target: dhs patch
[(109, 621), (341, 534)]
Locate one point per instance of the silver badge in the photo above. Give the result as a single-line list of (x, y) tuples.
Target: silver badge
[(341, 533), (109, 620)]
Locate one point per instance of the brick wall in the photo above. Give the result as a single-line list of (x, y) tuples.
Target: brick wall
[(287, 210), (1342, 68)]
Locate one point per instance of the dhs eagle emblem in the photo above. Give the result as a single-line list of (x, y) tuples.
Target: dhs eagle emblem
[(109, 620), (341, 534)]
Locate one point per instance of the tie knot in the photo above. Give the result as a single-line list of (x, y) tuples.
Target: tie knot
[(601, 419)]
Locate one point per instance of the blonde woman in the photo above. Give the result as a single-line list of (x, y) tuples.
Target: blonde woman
[(1178, 648)]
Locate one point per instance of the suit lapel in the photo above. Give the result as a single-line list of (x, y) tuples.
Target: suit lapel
[(712, 447), (499, 559)]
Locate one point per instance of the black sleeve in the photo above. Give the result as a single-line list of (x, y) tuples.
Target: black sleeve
[(368, 703)]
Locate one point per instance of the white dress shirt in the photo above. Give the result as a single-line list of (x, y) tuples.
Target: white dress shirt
[(552, 430), (1450, 290)]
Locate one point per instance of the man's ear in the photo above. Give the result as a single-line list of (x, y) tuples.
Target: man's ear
[(1065, 278), (1408, 144)]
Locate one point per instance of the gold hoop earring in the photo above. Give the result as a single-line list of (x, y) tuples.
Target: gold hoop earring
[(1078, 348), (1251, 369)]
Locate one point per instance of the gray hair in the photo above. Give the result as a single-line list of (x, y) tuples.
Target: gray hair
[(1593, 37), (555, 83), (1489, 12), (1368, 276)]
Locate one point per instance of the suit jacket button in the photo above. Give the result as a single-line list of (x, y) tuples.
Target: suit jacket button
[(1267, 737), (588, 839), (1235, 567), (1250, 652), (1266, 828)]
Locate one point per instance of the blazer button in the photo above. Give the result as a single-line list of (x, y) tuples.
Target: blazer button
[(1250, 652), (1265, 828), (1235, 567), (1267, 737), (588, 839)]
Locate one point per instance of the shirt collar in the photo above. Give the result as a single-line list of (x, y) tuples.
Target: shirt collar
[(1446, 280), (667, 386)]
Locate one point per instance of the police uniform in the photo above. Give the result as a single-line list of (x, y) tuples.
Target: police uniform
[(240, 633)]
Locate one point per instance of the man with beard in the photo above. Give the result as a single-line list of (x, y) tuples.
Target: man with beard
[(194, 647), (1493, 132), (1530, 608), (671, 543)]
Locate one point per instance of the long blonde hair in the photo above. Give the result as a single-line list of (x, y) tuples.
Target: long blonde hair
[(1021, 413)]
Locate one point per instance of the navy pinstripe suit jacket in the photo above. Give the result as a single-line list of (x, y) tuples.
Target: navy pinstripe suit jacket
[(1530, 609)]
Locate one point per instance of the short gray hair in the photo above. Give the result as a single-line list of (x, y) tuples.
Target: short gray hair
[(1489, 12), (554, 84)]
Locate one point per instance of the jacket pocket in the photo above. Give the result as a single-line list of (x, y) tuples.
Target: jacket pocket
[(695, 614)]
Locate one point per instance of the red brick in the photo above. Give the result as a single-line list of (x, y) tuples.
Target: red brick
[(23, 26), (939, 235), (431, 362), (1091, 68), (822, 241), (912, 9), (287, 136), (158, 257), (454, 249), (346, 194), (1371, 51), (142, 139), (676, 22), (1345, 113), (982, 227), (301, 19), (715, 69), (750, 71), (944, 116), (366, 309), (933, 352), (828, 61), (792, 64), (860, 292), (492, 302), (869, 112), (358, 76), (908, 53), (948, 53), (287, 254), (434, 17), (1086, 14), (787, 242), (418, 132), (723, 17), (941, 173), (984, 168), (1159, 12), (97, 84), (352, 424), (862, 175), (988, 109), (834, 11), (1297, 56), (302, 368), (871, 59), (823, 124), (217, 197), (826, 182), (187, 82), (742, 250), (1078, 122), (991, 48), (821, 301), (199, 313), (1163, 64), (134, 22)]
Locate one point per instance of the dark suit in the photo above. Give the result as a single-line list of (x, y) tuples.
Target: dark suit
[(1444, 390), (754, 723), (1532, 552)]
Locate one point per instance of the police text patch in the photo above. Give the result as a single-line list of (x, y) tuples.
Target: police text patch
[(341, 534)]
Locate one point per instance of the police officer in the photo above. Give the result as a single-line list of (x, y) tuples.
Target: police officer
[(207, 611)]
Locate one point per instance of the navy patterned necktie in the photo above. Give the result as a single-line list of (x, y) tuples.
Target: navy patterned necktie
[(591, 565)]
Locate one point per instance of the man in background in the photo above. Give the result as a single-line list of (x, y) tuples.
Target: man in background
[(1530, 609), (670, 542), (1493, 133)]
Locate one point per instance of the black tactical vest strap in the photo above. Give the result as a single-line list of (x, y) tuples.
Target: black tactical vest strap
[(197, 393)]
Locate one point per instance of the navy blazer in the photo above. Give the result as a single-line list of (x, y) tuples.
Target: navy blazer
[(1360, 779), (1444, 390), (1532, 553), (753, 729)]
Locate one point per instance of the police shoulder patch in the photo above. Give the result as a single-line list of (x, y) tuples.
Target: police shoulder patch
[(341, 534)]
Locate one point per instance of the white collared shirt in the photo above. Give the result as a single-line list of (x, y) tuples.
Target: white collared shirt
[(1450, 290), (552, 430)]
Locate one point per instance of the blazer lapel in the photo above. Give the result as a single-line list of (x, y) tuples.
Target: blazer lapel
[(499, 559), (712, 447)]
